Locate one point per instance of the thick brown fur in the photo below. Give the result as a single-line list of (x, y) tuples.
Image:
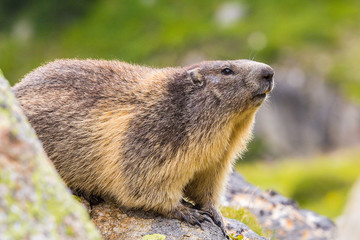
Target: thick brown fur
[(145, 137)]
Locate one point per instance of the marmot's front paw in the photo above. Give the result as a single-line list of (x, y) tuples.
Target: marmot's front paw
[(189, 215), (215, 215)]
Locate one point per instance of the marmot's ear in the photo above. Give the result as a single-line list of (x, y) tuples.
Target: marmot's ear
[(196, 76)]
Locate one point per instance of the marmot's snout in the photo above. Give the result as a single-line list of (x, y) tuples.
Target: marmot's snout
[(265, 78)]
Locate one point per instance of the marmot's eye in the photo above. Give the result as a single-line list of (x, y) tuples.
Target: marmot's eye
[(227, 71)]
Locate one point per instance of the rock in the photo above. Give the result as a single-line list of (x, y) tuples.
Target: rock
[(34, 202), (239, 229), (117, 223), (278, 213), (349, 222)]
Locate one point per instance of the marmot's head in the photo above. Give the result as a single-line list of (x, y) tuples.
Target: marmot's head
[(229, 87)]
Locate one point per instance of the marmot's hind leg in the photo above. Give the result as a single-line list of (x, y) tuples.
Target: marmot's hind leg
[(91, 198)]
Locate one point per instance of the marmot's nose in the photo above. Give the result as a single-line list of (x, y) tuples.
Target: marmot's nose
[(267, 74)]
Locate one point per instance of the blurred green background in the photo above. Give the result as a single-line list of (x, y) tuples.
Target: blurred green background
[(322, 38)]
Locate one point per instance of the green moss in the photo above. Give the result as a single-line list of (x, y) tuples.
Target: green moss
[(77, 198), (239, 237), (247, 218), (37, 199), (69, 231), (14, 214), (154, 237)]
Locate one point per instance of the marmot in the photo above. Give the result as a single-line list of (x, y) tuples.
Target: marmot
[(146, 137)]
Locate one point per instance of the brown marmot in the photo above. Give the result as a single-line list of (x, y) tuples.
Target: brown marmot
[(146, 137)]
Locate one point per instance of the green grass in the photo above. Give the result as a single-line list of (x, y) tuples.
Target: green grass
[(321, 183)]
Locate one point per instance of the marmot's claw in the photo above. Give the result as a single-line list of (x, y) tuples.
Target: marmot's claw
[(216, 217), (197, 217), (190, 215), (197, 223), (206, 213), (208, 218)]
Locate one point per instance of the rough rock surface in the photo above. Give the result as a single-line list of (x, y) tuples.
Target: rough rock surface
[(278, 213), (236, 229), (34, 202), (116, 223)]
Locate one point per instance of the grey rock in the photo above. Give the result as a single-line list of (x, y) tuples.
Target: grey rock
[(240, 228), (278, 213), (34, 201), (131, 224)]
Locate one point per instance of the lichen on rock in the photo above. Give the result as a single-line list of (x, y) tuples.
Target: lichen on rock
[(34, 202), (154, 237)]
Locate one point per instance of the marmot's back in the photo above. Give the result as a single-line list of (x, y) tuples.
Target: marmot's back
[(61, 101), (146, 137), (81, 80)]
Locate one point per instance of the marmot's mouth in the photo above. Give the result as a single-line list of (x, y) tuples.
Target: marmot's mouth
[(261, 95)]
